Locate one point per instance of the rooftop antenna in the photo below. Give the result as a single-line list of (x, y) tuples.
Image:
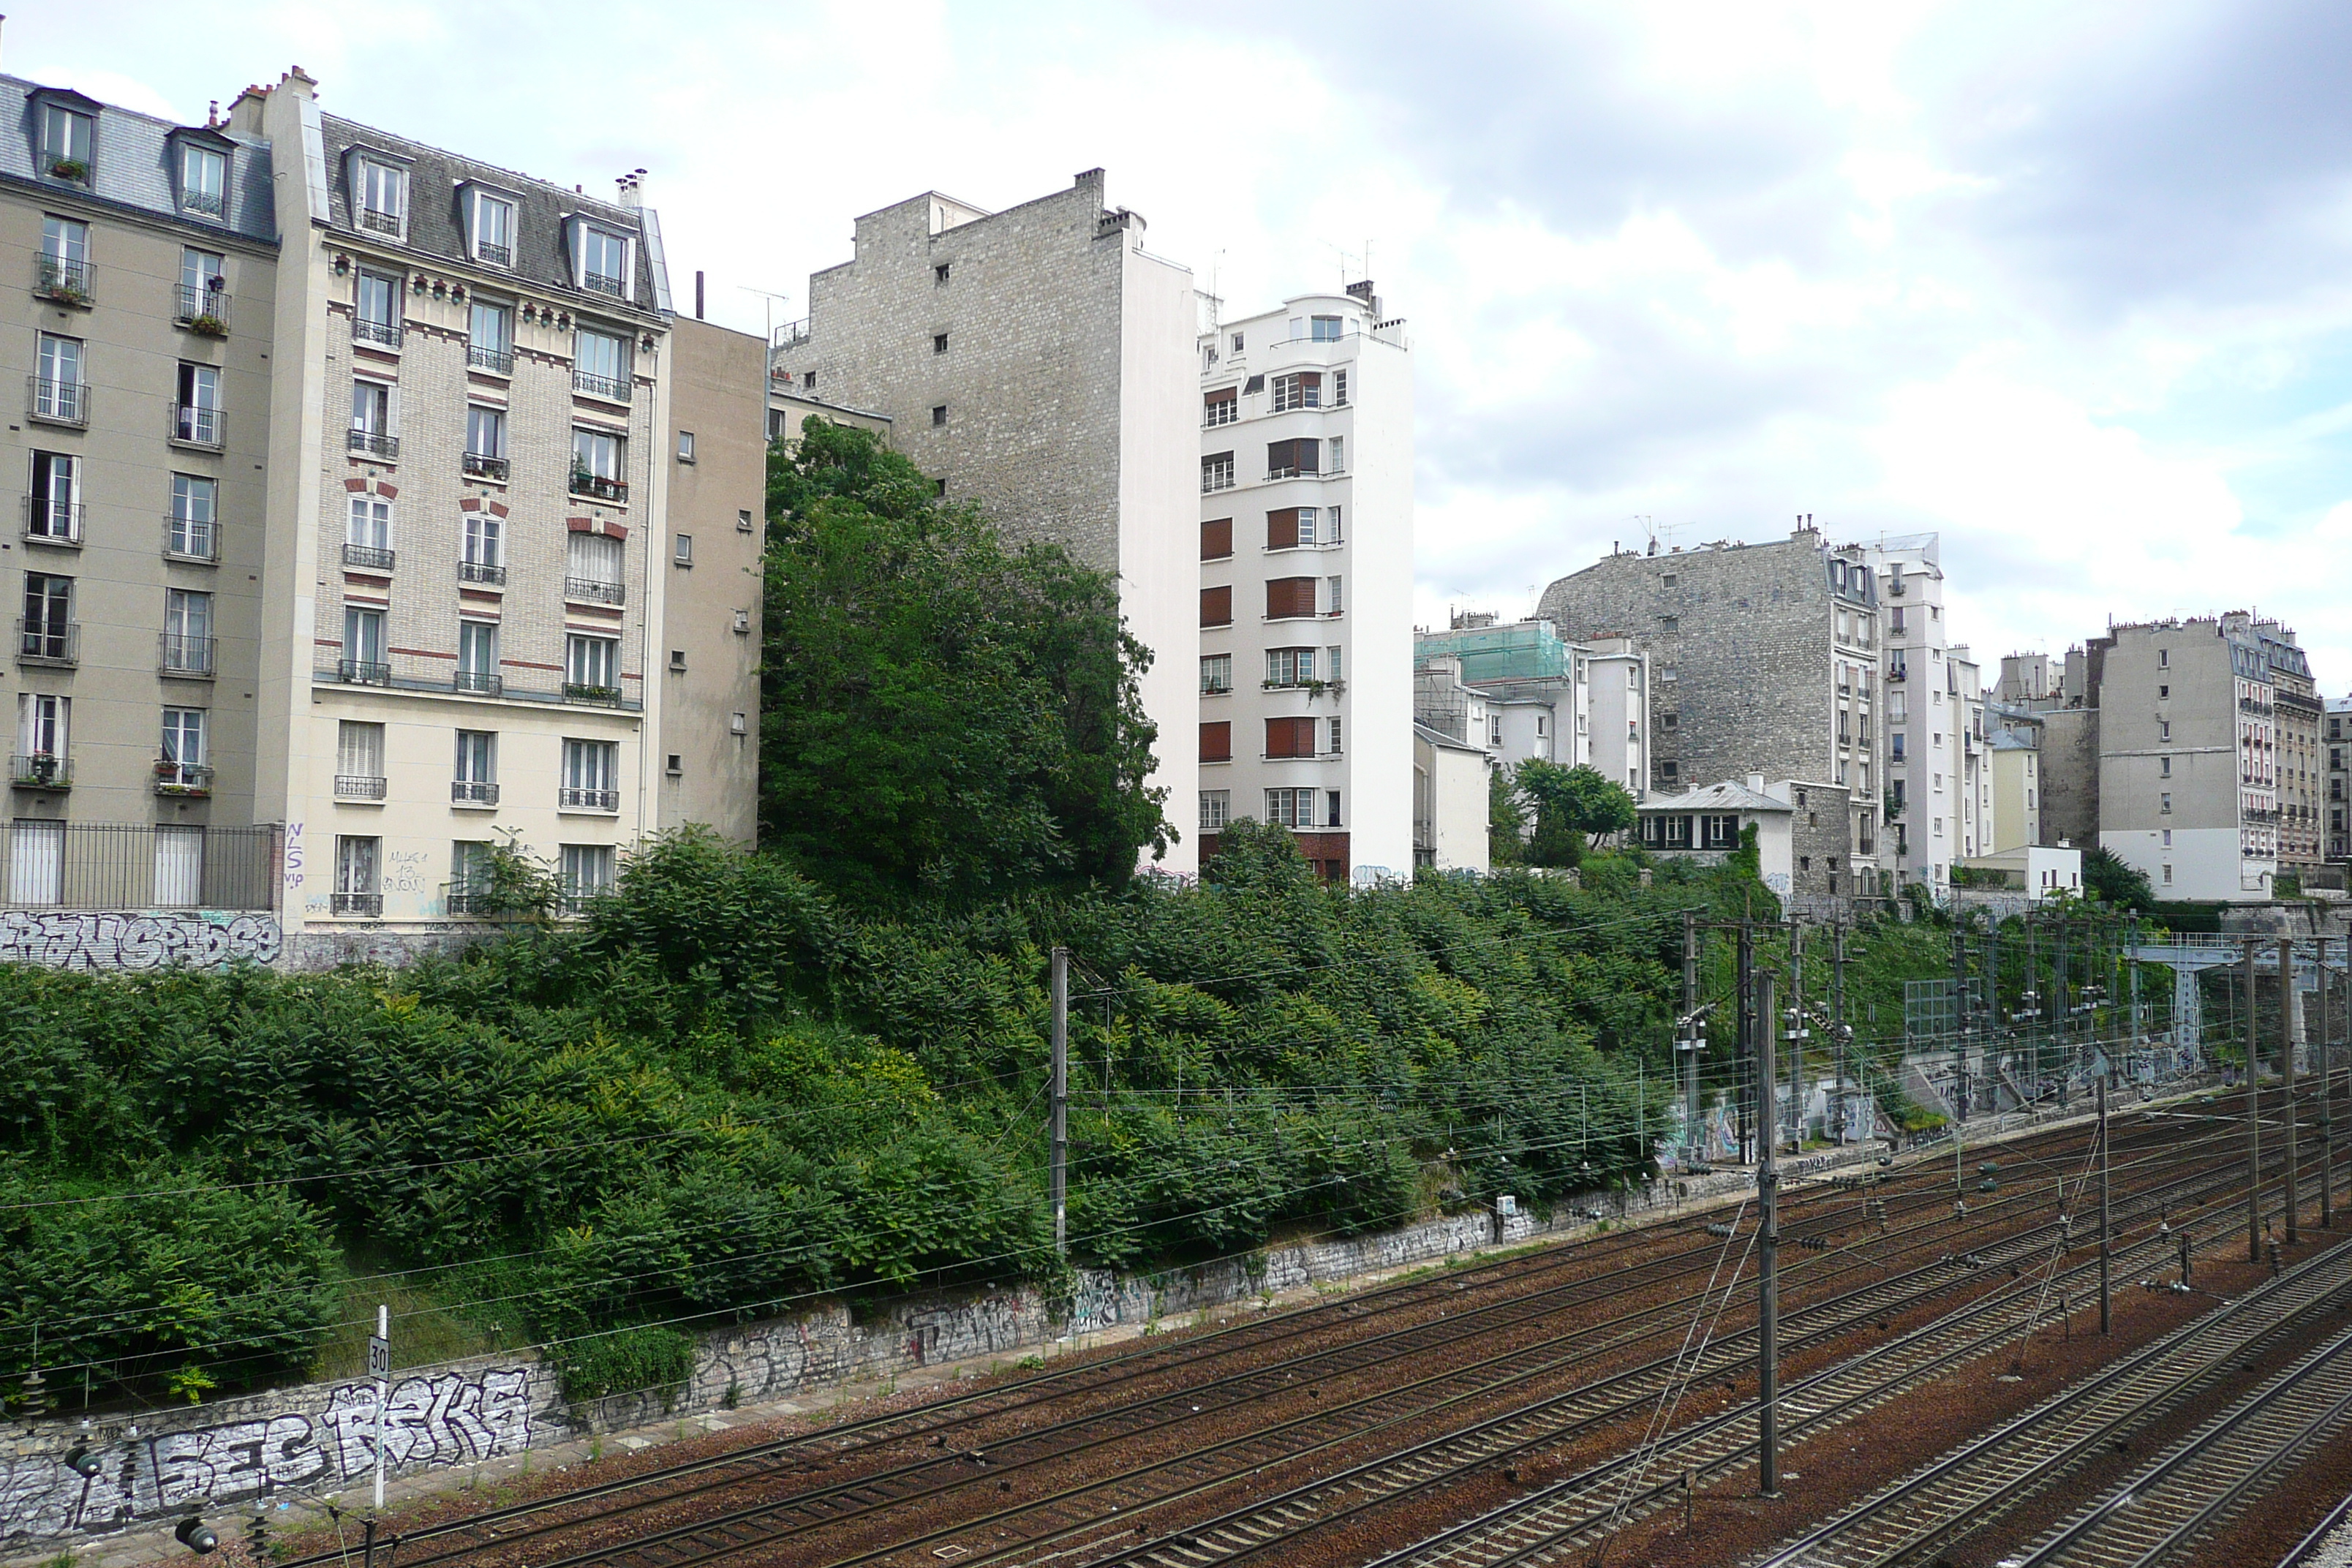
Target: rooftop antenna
[(773, 299)]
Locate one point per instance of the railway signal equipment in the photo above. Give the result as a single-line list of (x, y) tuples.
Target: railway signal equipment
[(197, 1536)]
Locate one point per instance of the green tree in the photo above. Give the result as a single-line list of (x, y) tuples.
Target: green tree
[(941, 711), (1507, 821), (2106, 876), (1570, 805)]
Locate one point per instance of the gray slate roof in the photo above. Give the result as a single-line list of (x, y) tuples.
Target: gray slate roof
[(1719, 797), (132, 164)]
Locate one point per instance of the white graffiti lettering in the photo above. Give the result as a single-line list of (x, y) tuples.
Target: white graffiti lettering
[(136, 941)]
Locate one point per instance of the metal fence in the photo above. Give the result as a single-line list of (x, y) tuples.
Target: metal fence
[(136, 866)]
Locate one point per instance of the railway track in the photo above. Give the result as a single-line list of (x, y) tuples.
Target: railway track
[(950, 1426)]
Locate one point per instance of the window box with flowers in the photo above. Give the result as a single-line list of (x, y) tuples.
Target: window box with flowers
[(72, 169)]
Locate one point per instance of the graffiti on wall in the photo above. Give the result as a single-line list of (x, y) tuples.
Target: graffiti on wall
[(65, 940), (442, 1419)]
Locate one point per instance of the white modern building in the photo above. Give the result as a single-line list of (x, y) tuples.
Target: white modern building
[(1938, 794), (1306, 581)]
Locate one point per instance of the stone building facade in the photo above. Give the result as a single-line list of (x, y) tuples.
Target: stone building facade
[(2338, 742), (1039, 362)]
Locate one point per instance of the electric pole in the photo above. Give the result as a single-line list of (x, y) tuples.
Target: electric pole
[(1797, 1035), (1747, 1046), (1060, 1091), (1837, 1021), (1689, 1043), (2104, 1326), (2327, 1100), (2253, 1122), (1768, 1277), (2286, 1071)]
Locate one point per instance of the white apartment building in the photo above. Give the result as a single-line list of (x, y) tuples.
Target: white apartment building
[(1520, 691), (1934, 715), (1306, 581)]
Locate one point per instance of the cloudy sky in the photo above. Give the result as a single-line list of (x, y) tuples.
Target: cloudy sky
[(2071, 285)]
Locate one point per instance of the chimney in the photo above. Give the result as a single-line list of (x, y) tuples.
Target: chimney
[(1756, 783), (697, 293)]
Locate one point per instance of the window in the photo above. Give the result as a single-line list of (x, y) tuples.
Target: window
[(1895, 745), (939, 413), (1670, 623), (597, 459), (52, 507), (48, 632), (182, 755), (1289, 527), (2164, 729), (1289, 598), (2164, 805), (1290, 807), (1494, 729), (67, 137), (1323, 328), (743, 520), (64, 264), (1216, 809), (384, 191), (43, 735), (1337, 463), (1336, 747), (938, 343), (203, 289), (355, 876), (1217, 740), (1299, 389), (587, 873), (591, 769), (490, 337), (187, 632), (470, 877), (2163, 658), (1216, 673), (940, 273), (493, 229), (359, 761), (60, 393), (193, 529), (686, 446), (203, 179), (1339, 389), (197, 418), (1217, 538), (1222, 406), (1290, 737), (675, 764), (593, 565), (486, 442), (1332, 665), (1288, 459), (604, 261), (1217, 607), (1217, 472), (474, 777), (2168, 838), (600, 364), (1289, 666), (363, 660), (1332, 607), (2164, 767), (1237, 343), (367, 534), (482, 549), (589, 667), (372, 420), (375, 317), (477, 658)]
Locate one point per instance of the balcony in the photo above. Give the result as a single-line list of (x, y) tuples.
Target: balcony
[(362, 672), (595, 696), (384, 334), (57, 401), (48, 521), (40, 770), (499, 362), (204, 312), (377, 221), (588, 591), (473, 791), (212, 204), (481, 466), (62, 281), (596, 487), (480, 682), (604, 283), (358, 786), (570, 798), (496, 254), (182, 780), (55, 642), (368, 557), (604, 386), (481, 571), (191, 539), (374, 443), (190, 658), (197, 425), (367, 906)]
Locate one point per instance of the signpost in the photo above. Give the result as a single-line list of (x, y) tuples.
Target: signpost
[(380, 1368)]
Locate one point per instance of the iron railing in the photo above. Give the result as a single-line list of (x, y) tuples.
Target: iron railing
[(473, 791), (479, 681), (197, 425), (358, 786), (496, 254), (212, 204), (499, 360), (49, 641), (480, 572), (180, 654), (590, 591), (48, 521), (369, 906), (482, 466), (464, 902), (182, 778), (61, 279), (191, 539), (598, 487), (368, 557), (599, 696), (117, 866), (204, 310), (383, 333), (57, 401), (610, 389), (40, 770), (602, 283), (572, 798), (381, 222), (362, 672), (375, 442)]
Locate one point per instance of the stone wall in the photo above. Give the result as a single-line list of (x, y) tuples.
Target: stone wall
[(2070, 777), (128, 939)]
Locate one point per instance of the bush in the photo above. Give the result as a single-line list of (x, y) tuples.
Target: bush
[(632, 1360)]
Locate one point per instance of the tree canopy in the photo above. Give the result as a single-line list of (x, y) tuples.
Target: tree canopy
[(1570, 804), (942, 712), (2114, 882)]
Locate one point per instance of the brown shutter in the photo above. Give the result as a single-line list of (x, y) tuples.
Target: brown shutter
[(1217, 742), (1310, 378), (1310, 453), (1289, 597), (1290, 737), (1223, 394), (1217, 607), (1282, 529), (1278, 454), (1216, 544)]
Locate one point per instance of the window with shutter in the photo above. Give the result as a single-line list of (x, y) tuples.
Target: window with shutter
[(1217, 607), (1288, 597), (1290, 737), (1282, 529), (1222, 406), (1217, 742), (1288, 460), (1217, 538)]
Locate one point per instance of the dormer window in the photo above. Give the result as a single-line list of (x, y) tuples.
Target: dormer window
[(490, 227), (204, 180), (69, 139), (601, 260), (380, 196)]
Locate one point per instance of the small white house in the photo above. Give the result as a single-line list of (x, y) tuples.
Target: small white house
[(1705, 825), (2036, 870)]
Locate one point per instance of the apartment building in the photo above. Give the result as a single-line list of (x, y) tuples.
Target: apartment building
[(2298, 718), (2340, 779), (1039, 362), (1762, 659), (2054, 695), (149, 254), (1938, 796), (2013, 770), (1521, 692), (1306, 581), (2190, 752)]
